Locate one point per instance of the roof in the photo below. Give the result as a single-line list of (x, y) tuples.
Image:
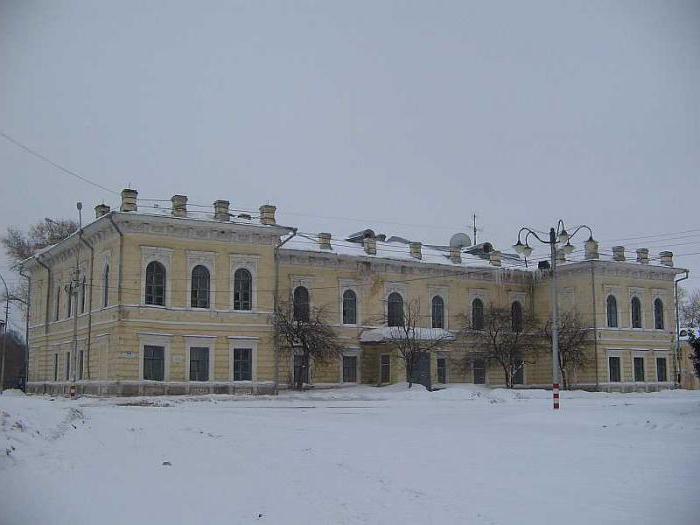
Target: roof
[(394, 333)]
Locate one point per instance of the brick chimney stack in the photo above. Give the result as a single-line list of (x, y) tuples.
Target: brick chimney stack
[(101, 209), (129, 197)]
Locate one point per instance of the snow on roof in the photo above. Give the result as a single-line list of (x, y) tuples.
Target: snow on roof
[(393, 333), (683, 334), (396, 250)]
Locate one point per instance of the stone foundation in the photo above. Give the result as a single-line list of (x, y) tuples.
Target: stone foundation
[(150, 388)]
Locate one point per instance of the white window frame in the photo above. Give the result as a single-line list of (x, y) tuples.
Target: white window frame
[(243, 342), (352, 352), (163, 256), (164, 340), (200, 341), (250, 263), (208, 260)]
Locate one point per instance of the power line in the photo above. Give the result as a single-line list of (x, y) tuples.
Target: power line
[(54, 164)]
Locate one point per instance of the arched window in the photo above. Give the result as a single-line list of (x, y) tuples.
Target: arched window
[(438, 312), (349, 307), (83, 293), (57, 313), (301, 304), (105, 287), (477, 314), (200, 287), (242, 290), (658, 314), (69, 310), (394, 309), (636, 305), (612, 311), (516, 316), (155, 283)]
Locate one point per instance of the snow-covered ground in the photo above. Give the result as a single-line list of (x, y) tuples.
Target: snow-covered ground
[(352, 455)]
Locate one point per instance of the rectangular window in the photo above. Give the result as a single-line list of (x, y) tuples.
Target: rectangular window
[(661, 373), (80, 365), (385, 376), (614, 364), (639, 369), (479, 370), (442, 370), (153, 363), (67, 366), (349, 369), (199, 363), (55, 367), (242, 364)]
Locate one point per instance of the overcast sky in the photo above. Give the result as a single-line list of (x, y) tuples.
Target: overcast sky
[(358, 114)]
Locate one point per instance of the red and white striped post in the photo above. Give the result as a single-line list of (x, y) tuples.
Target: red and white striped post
[(555, 395)]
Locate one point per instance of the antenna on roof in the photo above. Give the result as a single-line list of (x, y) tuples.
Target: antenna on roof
[(474, 226)]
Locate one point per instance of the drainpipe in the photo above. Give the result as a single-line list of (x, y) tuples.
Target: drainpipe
[(677, 360), (595, 328), (121, 249), (89, 331), (275, 301), (26, 326)]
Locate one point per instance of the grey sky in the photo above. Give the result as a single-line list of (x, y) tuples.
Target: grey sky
[(411, 112)]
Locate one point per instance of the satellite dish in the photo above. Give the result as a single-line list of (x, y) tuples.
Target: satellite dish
[(460, 240)]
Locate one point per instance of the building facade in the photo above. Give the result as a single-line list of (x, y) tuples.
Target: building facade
[(171, 300)]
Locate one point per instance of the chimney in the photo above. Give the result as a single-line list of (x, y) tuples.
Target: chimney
[(324, 241), (179, 205), (666, 258), (495, 258), (591, 249), (100, 210), (455, 254), (415, 248), (129, 200), (370, 244), (618, 253), (221, 212), (643, 255), (267, 214)]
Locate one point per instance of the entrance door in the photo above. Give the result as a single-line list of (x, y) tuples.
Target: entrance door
[(442, 370), (298, 360), (421, 373), (349, 369)]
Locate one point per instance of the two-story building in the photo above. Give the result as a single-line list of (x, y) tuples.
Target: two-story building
[(178, 299)]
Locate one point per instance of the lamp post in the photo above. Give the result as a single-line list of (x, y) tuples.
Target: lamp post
[(4, 335), (559, 239)]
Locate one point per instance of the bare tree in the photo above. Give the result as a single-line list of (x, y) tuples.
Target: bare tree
[(308, 334), (574, 336), (689, 307), (412, 342), (512, 343), (21, 245)]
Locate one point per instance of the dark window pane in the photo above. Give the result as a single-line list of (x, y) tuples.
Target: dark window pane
[(299, 369), (661, 373), (155, 284), (55, 367), (80, 365), (70, 301), (519, 375), (395, 309), (242, 364), (516, 315), (385, 375), (105, 287), (636, 313), (442, 370), (615, 375), (242, 290), (479, 370), (639, 369), (658, 314), (67, 366), (349, 369), (477, 314), (83, 294), (301, 304), (612, 311), (199, 364), (200, 287), (438, 312), (349, 307), (153, 363), (57, 313)]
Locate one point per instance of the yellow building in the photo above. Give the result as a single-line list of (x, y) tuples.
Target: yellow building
[(174, 300)]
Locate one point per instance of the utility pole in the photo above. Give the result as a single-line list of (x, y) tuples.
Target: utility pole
[(74, 289), (4, 335), (474, 226)]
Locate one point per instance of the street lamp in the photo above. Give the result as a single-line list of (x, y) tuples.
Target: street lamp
[(559, 239)]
